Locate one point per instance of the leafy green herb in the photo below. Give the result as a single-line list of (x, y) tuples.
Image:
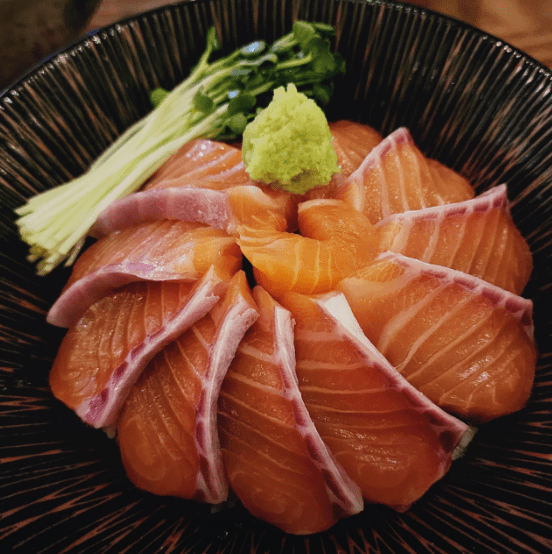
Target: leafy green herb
[(157, 96), (217, 100)]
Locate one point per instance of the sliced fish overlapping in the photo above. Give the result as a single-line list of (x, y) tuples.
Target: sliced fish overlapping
[(168, 430), (392, 441), (276, 461), (464, 343), (104, 353)]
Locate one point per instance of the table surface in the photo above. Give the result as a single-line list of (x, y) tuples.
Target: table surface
[(523, 23)]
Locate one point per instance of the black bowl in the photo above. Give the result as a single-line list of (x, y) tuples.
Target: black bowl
[(470, 100)]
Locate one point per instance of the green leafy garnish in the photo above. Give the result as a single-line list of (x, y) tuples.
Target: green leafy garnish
[(157, 96), (217, 100)]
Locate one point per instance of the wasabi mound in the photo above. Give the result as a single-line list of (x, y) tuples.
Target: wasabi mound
[(288, 145)]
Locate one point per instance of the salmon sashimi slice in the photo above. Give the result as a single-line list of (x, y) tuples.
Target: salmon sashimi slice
[(214, 165), (476, 236), (335, 241), (275, 460), (167, 431), (392, 441), (204, 181), (206, 163), (289, 262), (349, 230), (103, 354), (159, 251), (326, 219), (224, 209), (352, 142), (285, 262), (464, 343), (396, 177)]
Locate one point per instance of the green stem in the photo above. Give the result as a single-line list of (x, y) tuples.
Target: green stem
[(55, 222)]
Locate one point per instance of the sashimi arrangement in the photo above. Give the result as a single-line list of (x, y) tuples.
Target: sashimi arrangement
[(377, 320)]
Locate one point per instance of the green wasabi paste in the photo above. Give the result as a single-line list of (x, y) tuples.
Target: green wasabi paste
[(288, 145)]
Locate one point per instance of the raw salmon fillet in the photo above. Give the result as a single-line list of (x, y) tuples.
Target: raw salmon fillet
[(160, 251), (167, 431), (326, 219), (103, 354), (464, 343), (351, 141), (477, 236), (224, 209), (395, 177), (204, 181), (392, 441), (276, 462), (206, 163)]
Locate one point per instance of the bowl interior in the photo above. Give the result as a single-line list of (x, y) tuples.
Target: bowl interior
[(469, 100)]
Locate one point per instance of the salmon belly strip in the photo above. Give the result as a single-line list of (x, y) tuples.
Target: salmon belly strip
[(167, 431), (392, 441), (224, 209), (477, 236), (276, 461), (205, 181), (395, 177), (103, 354), (160, 251), (464, 343)]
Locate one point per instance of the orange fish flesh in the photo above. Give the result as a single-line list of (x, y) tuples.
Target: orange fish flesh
[(224, 209), (164, 250), (464, 343), (335, 241), (477, 236), (206, 163), (352, 141), (395, 177), (392, 441), (285, 262), (276, 462), (167, 431), (103, 354)]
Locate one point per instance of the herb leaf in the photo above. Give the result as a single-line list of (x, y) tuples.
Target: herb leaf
[(217, 100)]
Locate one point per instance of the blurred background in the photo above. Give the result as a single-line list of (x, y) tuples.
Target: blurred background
[(33, 29)]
